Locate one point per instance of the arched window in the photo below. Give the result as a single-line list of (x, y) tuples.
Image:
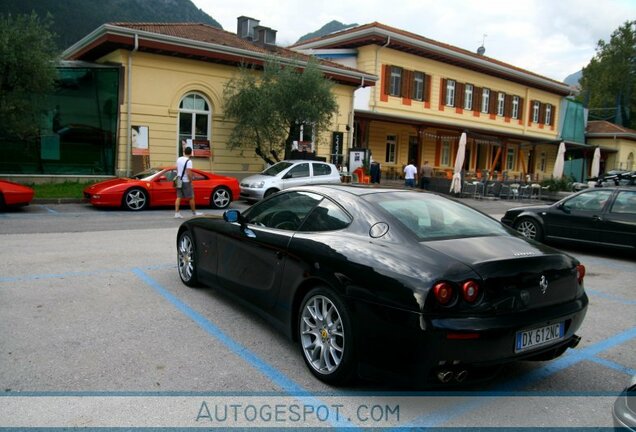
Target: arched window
[(195, 119)]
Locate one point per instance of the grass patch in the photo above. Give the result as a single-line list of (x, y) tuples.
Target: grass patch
[(67, 189)]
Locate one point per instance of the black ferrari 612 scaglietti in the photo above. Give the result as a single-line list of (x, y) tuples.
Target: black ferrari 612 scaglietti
[(390, 283)]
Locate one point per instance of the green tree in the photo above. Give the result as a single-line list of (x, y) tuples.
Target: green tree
[(27, 72), (269, 106), (608, 81)]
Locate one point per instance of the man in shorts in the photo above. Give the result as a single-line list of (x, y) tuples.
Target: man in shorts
[(185, 191)]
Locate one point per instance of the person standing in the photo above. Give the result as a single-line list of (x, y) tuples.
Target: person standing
[(410, 172), (426, 172), (184, 170)]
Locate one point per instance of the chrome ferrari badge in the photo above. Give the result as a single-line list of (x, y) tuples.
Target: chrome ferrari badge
[(543, 284)]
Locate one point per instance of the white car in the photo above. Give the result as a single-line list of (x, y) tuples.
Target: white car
[(286, 174)]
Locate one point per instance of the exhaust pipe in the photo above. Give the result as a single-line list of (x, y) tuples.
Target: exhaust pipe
[(461, 376), (445, 376), (575, 341)]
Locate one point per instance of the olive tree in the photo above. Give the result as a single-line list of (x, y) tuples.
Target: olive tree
[(268, 106)]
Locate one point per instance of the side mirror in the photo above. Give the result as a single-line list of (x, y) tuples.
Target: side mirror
[(163, 178), (287, 176), (563, 208), (232, 216)]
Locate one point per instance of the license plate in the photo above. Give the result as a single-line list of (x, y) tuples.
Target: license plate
[(529, 339)]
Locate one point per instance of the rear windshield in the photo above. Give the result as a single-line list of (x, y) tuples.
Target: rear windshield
[(431, 217), (277, 168)]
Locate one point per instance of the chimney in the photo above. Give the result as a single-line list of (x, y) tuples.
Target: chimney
[(245, 27), (264, 36)]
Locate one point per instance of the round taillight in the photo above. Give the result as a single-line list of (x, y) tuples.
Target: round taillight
[(470, 291), (580, 273), (443, 292)]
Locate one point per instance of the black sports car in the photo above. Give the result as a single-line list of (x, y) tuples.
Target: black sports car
[(389, 283), (598, 216)]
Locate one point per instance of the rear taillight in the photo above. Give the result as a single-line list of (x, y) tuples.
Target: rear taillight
[(443, 292), (580, 273), (470, 291)]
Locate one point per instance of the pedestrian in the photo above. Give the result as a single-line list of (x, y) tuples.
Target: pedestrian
[(426, 172), (410, 173), (184, 171)]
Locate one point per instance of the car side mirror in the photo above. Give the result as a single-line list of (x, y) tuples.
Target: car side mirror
[(232, 216), (163, 178), (287, 176), (563, 208)]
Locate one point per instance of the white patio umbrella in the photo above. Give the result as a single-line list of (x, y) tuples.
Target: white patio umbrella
[(596, 163), (557, 172), (456, 183)]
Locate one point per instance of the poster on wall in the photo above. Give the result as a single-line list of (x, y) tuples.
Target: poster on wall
[(139, 136), (201, 148)]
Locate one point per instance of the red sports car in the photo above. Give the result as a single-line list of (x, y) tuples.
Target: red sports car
[(14, 194), (154, 188)]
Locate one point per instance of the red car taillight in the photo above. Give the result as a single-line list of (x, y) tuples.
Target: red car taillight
[(443, 292), (580, 273), (470, 291)]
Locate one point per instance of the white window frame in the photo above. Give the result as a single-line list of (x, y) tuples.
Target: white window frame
[(511, 156), (450, 93), (548, 114), (485, 100), (536, 106), (468, 96), (395, 89), (195, 112), (418, 86), (391, 146), (445, 156), (515, 107), (501, 104)]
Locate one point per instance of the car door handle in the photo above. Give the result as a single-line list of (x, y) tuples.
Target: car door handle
[(596, 218)]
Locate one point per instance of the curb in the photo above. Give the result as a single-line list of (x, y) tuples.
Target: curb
[(57, 201)]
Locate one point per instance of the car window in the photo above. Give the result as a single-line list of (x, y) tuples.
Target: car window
[(429, 217), (588, 201), (327, 216), (321, 169), (625, 203), (196, 176), (298, 171), (277, 168), (284, 211)]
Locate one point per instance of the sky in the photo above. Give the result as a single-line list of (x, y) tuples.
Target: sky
[(553, 38)]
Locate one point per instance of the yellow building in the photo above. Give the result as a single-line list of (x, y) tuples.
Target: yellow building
[(172, 81), (429, 93), (617, 144)]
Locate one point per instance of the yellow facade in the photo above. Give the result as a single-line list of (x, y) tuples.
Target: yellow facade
[(621, 152), (158, 84), (443, 124)]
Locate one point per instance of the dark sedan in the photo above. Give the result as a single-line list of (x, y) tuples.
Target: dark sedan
[(391, 284), (598, 216)]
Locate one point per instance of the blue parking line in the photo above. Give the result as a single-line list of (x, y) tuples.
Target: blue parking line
[(50, 210), (80, 274), (280, 379), (610, 297), (613, 365)]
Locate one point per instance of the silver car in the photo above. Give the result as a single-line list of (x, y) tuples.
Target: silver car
[(286, 174)]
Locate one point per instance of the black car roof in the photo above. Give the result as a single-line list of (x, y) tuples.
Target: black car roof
[(353, 189)]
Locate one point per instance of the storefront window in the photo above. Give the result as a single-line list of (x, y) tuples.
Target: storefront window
[(77, 134)]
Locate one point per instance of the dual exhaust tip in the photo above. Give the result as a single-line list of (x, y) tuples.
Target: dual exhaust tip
[(446, 376)]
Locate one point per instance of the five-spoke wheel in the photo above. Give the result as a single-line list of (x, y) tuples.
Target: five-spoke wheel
[(135, 199), (221, 198)]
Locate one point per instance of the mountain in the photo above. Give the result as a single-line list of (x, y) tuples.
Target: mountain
[(330, 27), (573, 80), (74, 19)]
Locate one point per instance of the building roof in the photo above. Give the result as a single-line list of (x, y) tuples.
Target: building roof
[(603, 128), (200, 42), (401, 40)]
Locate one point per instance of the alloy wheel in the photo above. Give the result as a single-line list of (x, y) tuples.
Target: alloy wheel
[(527, 228), (221, 198), (322, 334), (136, 199), (185, 259)]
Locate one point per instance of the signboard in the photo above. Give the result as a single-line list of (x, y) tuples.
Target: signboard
[(337, 139), (201, 148), (139, 137)]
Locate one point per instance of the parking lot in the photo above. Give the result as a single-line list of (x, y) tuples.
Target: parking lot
[(98, 331)]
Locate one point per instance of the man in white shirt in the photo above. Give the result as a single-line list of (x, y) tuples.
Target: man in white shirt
[(184, 171), (410, 172)]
